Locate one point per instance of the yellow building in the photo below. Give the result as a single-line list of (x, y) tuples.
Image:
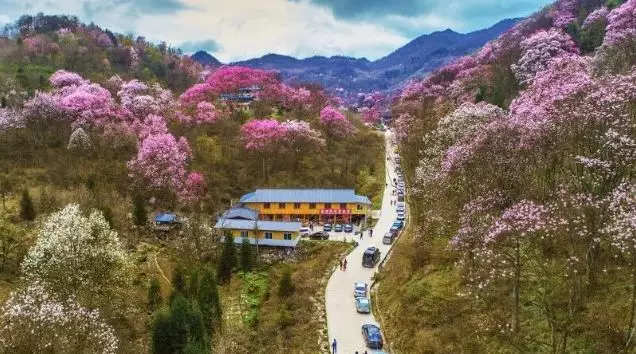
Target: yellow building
[(318, 205), (244, 223)]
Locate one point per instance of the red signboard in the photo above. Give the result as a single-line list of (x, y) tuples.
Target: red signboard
[(335, 211)]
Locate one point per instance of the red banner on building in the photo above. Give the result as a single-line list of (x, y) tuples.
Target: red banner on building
[(335, 211)]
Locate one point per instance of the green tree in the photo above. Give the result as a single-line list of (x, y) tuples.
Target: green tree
[(6, 186), (27, 209), (246, 255), (162, 335), (179, 282), (154, 295), (228, 260), (209, 301), (140, 215), (285, 285)]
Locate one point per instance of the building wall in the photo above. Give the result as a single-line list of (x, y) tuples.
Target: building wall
[(276, 235), (305, 209)]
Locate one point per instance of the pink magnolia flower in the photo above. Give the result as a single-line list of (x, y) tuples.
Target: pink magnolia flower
[(259, 134), (621, 24), (335, 122), (62, 78)]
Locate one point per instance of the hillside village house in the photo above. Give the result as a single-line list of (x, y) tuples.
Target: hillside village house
[(244, 223), (316, 205)]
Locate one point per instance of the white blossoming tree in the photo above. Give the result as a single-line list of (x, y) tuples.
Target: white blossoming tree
[(76, 255), (34, 321), (79, 140)]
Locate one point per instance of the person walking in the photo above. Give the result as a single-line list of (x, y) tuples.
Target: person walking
[(345, 264), (361, 234), (334, 347), (341, 264), (371, 233)]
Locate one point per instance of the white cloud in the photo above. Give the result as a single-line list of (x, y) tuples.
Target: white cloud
[(273, 26), (4, 19)]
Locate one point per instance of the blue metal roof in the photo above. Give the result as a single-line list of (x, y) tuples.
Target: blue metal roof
[(304, 195), (239, 224), (165, 217), (241, 213)]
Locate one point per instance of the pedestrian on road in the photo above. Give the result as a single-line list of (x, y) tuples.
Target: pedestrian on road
[(370, 232), (341, 264), (345, 264), (361, 234), (334, 347)]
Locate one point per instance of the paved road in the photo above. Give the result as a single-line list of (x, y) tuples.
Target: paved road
[(343, 322)]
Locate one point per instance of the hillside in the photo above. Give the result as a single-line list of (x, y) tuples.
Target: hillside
[(347, 76), (520, 169), (88, 159)]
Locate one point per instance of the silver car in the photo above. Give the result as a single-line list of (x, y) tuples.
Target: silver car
[(360, 289)]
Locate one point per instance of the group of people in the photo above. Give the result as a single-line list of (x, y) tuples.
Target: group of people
[(334, 348), (370, 234), (343, 264)]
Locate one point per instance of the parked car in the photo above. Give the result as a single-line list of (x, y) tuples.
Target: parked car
[(304, 231), (401, 216), (370, 257), (372, 336), (401, 204), (363, 305), (399, 224), (394, 230), (388, 237), (360, 289), (338, 228), (319, 235), (400, 209), (400, 197), (326, 227), (348, 228)]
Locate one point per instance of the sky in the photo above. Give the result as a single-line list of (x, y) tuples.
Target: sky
[(234, 30)]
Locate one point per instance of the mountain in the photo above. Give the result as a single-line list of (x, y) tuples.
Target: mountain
[(347, 76), (205, 58)]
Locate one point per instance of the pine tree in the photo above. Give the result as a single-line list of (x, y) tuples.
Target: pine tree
[(179, 282), (285, 285), (162, 333), (209, 301), (228, 260), (140, 215), (246, 256), (154, 295), (27, 210)]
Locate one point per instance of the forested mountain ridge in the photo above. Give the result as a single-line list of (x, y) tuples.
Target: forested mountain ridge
[(348, 76), (520, 164)]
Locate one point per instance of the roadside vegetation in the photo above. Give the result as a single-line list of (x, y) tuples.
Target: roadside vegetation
[(519, 162)]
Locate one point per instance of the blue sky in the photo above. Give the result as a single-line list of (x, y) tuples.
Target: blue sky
[(240, 29)]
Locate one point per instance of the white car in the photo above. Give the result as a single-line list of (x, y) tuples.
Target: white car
[(360, 289), (304, 231)]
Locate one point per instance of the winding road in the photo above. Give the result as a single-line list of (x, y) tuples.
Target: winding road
[(343, 322)]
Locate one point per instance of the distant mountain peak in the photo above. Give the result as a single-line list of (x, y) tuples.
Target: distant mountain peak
[(205, 58)]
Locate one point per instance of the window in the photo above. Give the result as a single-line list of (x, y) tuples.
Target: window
[(266, 205), (268, 235), (343, 205), (281, 205), (312, 205), (327, 205), (244, 234), (359, 207), (296, 205), (287, 236)]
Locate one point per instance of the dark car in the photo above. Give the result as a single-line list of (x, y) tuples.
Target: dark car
[(370, 257), (348, 228), (372, 336), (338, 228), (319, 235), (326, 227)]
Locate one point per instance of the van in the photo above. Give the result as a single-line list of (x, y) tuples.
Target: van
[(388, 238), (370, 257)]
